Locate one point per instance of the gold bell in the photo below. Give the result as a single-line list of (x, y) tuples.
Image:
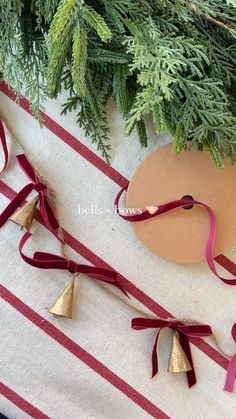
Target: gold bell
[(24, 216), (64, 303), (178, 361)]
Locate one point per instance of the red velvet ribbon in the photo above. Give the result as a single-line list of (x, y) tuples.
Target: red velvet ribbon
[(185, 331), (45, 207), (46, 260), (3, 143), (169, 206), (231, 371)]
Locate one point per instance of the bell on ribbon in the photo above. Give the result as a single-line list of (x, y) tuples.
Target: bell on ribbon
[(24, 216), (178, 361), (64, 303)]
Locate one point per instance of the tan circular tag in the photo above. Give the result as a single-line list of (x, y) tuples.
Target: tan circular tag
[(181, 234)]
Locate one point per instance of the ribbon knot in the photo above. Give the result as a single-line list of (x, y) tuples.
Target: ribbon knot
[(173, 324), (231, 371), (46, 260), (39, 186), (72, 266), (185, 332), (45, 208)]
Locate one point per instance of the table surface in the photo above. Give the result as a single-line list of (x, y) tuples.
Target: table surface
[(95, 365)]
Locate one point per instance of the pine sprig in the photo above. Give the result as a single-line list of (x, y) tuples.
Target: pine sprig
[(102, 55), (50, 7), (121, 89), (159, 122), (64, 20), (97, 22), (79, 59)]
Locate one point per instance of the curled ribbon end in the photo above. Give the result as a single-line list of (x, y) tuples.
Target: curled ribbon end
[(233, 332), (228, 389), (125, 293), (231, 375), (191, 384), (154, 373)]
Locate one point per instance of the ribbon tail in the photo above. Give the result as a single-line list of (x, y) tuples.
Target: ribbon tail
[(26, 167), (102, 274), (191, 376), (47, 213), (4, 147), (226, 263), (233, 332), (230, 375), (117, 284), (107, 280), (15, 203), (155, 357)]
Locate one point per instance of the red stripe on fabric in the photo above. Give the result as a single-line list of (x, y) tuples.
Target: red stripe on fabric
[(81, 353), (69, 139), (226, 263), (137, 293), (18, 401)]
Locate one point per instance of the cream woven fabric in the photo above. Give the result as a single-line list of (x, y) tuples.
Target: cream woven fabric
[(98, 367)]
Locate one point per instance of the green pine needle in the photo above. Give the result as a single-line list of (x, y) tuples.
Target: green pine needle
[(79, 59), (101, 55), (97, 22)]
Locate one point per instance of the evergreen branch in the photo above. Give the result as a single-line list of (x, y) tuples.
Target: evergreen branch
[(122, 93), (64, 20), (92, 98), (101, 55), (97, 22), (37, 8), (174, 59), (56, 64), (96, 129), (79, 59), (222, 24), (158, 118), (179, 141), (59, 38), (215, 154), (142, 133), (50, 7)]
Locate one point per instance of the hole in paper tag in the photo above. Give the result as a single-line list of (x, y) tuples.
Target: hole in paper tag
[(190, 198)]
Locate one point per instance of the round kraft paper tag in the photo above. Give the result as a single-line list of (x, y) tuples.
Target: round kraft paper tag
[(180, 235)]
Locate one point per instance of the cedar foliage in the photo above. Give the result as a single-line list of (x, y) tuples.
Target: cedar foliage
[(174, 59)]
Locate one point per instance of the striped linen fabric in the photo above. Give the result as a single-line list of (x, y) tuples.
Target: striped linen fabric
[(95, 365)]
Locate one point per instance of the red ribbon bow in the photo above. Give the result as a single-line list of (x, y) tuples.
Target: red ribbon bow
[(46, 260), (4, 146), (185, 332), (231, 371), (45, 207)]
